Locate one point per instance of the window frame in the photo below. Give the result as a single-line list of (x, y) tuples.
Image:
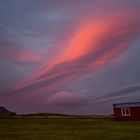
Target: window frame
[(125, 111)]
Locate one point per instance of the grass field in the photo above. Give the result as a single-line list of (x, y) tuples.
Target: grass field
[(99, 128)]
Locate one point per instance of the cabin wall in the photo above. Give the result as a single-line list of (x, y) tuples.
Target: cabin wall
[(134, 114)]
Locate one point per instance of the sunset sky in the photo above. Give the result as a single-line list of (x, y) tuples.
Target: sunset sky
[(69, 56)]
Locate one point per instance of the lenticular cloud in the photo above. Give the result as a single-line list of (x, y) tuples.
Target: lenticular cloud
[(92, 46)]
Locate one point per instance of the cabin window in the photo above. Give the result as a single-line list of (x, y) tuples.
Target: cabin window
[(125, 111)]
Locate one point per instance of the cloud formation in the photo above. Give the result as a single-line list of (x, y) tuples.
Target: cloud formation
[(68, 99), (128, 90), (92, 46), (54, 50), (18, 55)]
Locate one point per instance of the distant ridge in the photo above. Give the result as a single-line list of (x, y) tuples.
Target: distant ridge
[(44, 114), (61, 116)]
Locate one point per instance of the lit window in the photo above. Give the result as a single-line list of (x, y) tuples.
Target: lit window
[(125, 111)]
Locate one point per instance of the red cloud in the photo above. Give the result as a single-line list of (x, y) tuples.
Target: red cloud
[(19, 55), (92, 46)]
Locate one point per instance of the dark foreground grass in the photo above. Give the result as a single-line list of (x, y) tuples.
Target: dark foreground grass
[(68, 129)]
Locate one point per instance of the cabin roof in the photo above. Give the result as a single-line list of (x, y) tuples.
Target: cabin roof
[(129, 104)]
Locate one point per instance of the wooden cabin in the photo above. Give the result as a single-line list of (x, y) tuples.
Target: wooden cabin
[(127, 111)]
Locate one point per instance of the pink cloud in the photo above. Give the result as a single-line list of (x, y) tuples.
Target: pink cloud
[(19, 55), (93, 45)]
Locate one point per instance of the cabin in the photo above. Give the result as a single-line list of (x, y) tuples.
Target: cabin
[(127, 111), (6, 113)]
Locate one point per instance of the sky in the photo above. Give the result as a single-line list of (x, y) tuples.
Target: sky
[(69, 56)]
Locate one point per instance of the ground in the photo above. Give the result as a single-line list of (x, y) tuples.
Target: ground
[(65, 128)]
